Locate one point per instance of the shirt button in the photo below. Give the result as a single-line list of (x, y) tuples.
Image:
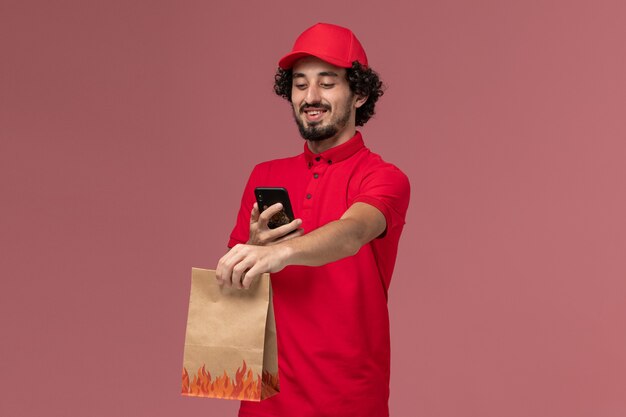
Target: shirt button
[(308, 196), (318, 159), (316, 175)]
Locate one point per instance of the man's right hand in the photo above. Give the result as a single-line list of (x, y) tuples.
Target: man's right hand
[(261, 235)]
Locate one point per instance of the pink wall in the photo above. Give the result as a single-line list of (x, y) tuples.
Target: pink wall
[(128, 128)]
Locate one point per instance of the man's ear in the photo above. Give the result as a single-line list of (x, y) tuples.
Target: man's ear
[(360, 100)]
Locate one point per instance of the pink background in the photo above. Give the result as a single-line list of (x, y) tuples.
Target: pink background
[(128, 129)]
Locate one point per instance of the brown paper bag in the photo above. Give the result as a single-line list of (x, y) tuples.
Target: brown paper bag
[(230, 344)]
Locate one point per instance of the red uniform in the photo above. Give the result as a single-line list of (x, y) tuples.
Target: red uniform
[(332, 321)]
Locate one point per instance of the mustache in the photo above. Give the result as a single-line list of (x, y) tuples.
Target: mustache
[(317, 105)]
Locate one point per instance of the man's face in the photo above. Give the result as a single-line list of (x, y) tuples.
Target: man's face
[(323, 104)]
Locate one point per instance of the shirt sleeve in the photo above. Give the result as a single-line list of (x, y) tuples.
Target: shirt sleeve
[(241, 231), (388, 189)]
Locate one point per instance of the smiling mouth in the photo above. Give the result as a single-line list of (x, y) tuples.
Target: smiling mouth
[(314, 114)]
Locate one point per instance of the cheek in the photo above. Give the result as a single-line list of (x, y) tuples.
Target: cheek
[(295, 105), (295, 100)]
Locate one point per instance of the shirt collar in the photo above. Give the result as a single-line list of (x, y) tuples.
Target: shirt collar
[(337, 153)]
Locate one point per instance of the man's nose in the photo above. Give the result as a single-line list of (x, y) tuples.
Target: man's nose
[(313, 94)]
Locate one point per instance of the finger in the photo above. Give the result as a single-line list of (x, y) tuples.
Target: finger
[(273, 236), (220, 269), (287, 228), (267, 214), (254, 215), (239, 272), (289, 236), (251, 275), (225, 266)]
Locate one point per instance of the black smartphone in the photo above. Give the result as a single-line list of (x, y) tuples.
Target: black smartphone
[(267, 196)]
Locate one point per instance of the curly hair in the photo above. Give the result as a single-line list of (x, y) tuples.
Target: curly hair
[(363, 82)]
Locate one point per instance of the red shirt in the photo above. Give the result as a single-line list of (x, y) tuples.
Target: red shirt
[(332, 321)]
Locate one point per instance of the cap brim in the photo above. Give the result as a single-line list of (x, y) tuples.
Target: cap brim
[(288, 60)]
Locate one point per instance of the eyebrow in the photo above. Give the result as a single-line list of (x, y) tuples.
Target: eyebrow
[(323, 74)]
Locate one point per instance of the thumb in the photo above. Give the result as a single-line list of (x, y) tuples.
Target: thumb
[(254, 215)]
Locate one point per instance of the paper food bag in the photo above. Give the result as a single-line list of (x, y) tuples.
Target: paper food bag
[(230, 344)]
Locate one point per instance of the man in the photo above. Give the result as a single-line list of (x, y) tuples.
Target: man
[(331, 267)]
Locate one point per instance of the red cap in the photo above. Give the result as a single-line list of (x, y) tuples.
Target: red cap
[(331, 43)]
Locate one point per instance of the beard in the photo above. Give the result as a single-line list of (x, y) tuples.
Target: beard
[(314, 132)]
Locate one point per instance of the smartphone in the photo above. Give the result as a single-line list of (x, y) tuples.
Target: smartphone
[(267, 196)]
